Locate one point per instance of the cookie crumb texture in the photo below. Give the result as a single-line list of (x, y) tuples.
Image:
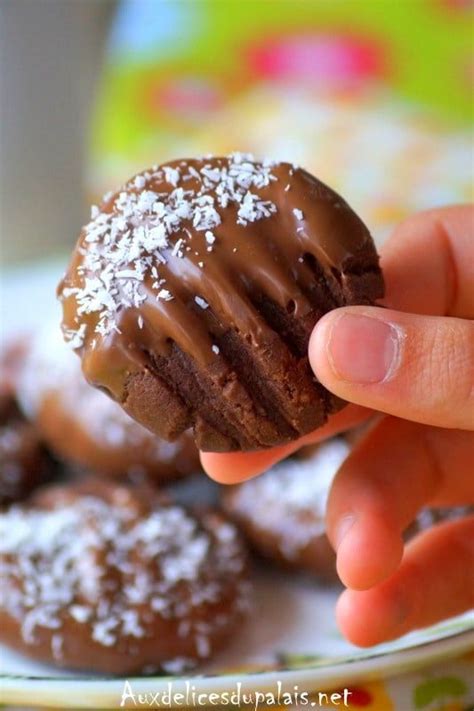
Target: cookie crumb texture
[(192, 293), (100, 576)]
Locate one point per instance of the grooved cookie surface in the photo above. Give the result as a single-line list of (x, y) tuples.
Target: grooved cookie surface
[(193, 291)]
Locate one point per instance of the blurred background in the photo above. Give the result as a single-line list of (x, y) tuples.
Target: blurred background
[(374, 96)]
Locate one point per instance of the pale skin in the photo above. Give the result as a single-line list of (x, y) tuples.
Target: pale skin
[(409, 369)]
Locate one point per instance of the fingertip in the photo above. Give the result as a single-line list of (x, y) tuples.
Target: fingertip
[(349, 620), (235, 467), (218, 467), (369, 553), (370, 617)]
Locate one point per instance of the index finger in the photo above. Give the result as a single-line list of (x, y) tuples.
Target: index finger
[(428, 263)]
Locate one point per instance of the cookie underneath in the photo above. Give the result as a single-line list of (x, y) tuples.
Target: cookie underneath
[(104, 578), (25, 463), (282, 512)]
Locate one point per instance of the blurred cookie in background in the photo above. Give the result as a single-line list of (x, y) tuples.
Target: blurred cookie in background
[(116, 579), (281, 512), (12, 356), (24, 461)]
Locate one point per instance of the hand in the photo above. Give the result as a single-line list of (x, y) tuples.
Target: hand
[(414, 362)]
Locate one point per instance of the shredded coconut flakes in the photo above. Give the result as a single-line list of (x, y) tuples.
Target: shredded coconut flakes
[(201, 302), (298, 516), (52, 566), (139, 234)]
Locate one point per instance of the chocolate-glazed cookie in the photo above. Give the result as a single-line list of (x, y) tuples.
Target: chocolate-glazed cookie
[(282, 512), (192, 293), (106, 578), (84, 427)]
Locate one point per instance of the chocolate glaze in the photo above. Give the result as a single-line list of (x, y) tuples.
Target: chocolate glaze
[(307, 242)]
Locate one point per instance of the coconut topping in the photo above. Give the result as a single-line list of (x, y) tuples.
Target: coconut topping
[(95, 562), (290, 498), (143, 228)]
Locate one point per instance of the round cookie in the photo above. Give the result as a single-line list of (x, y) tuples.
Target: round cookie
[(281, 512), (12, 357), (85, 427), (24, 461), (192, 293), (111, 579)]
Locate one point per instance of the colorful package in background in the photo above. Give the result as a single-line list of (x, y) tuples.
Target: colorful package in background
[(374, 97)]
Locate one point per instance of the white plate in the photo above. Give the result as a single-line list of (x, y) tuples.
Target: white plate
[(291, 636)]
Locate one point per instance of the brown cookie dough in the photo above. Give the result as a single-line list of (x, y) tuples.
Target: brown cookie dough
[(192, 293), (282, 511), (111, 579), (84, 427)]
